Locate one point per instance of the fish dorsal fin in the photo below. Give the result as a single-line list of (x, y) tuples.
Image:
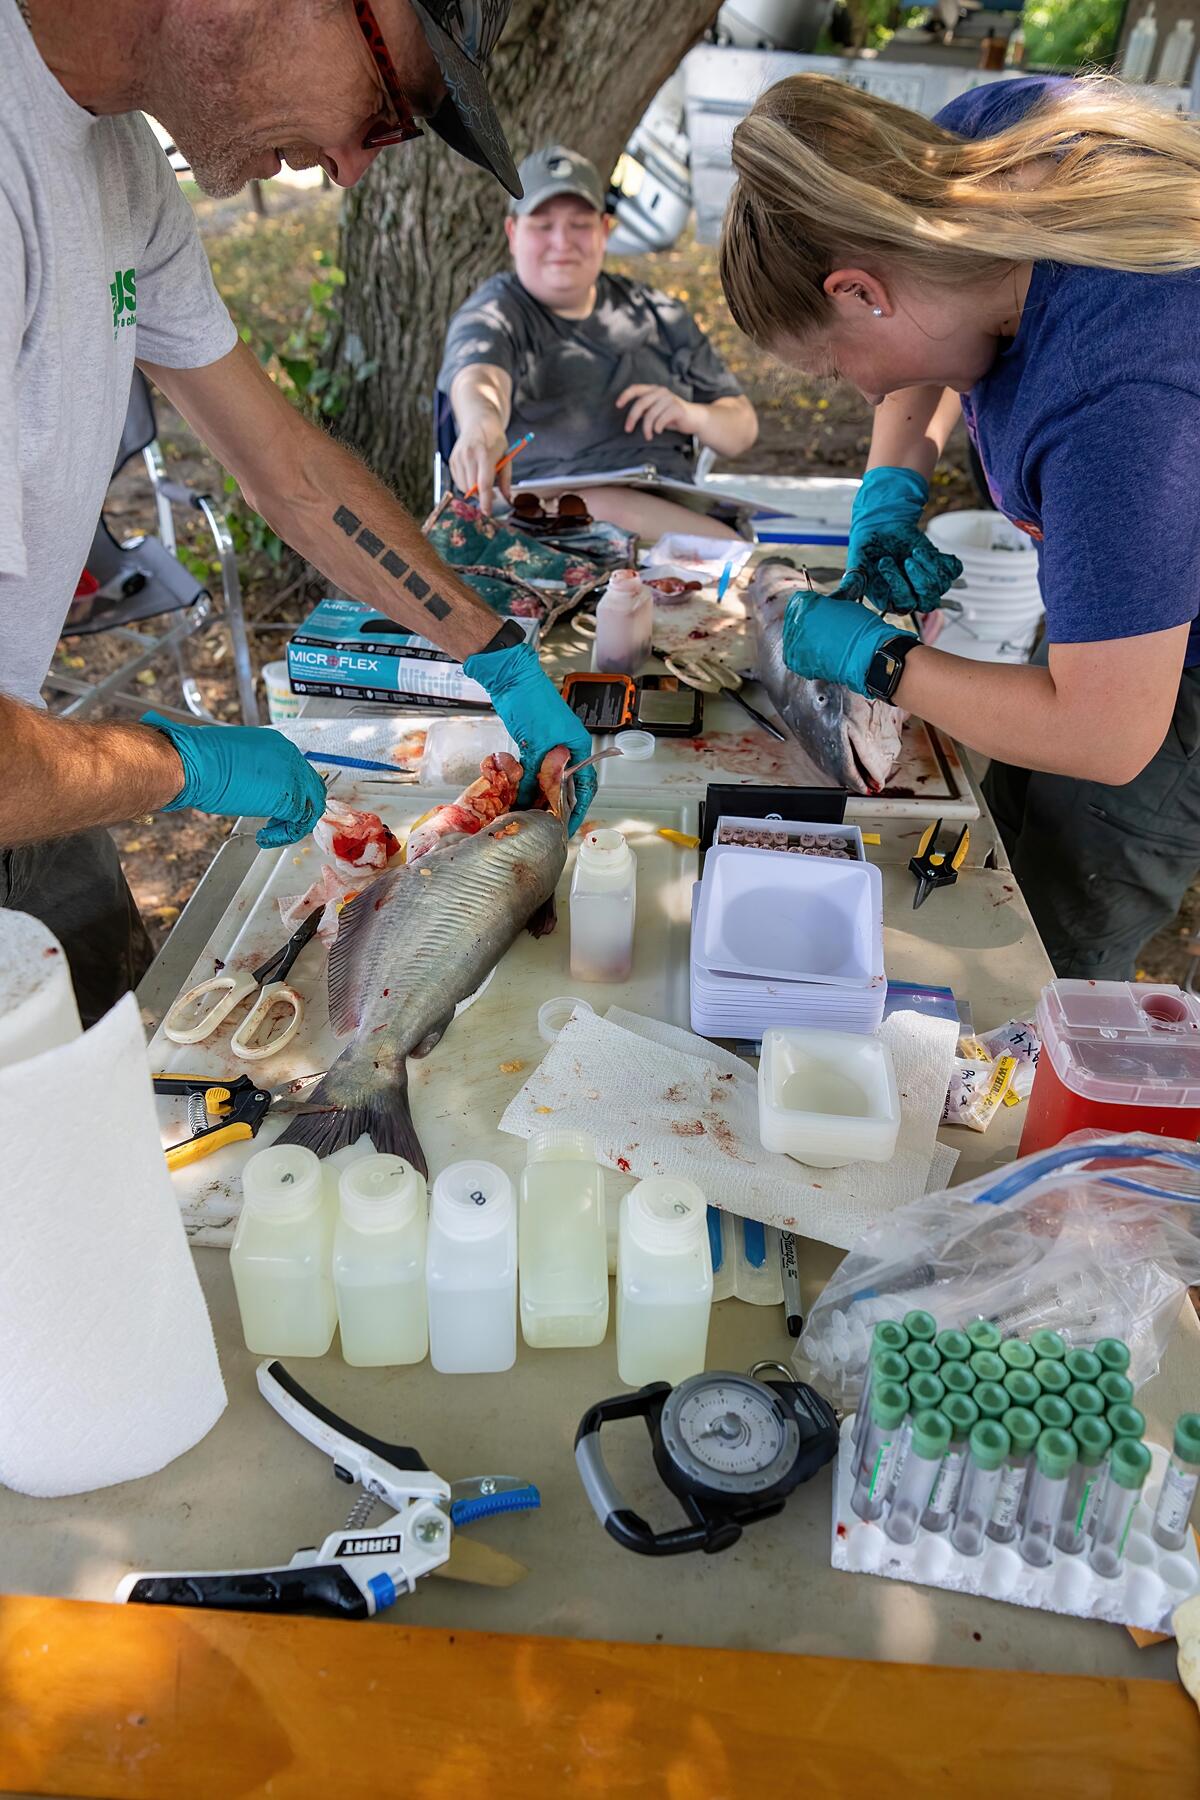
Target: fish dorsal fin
[(345, 959)]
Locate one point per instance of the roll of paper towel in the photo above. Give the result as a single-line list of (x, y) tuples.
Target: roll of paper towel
[(108, 1369), (37, 1001)]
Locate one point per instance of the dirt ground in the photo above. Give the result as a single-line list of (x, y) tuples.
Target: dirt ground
[(264, 268)]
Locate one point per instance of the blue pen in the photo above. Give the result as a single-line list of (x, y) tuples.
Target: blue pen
[(354, 762)]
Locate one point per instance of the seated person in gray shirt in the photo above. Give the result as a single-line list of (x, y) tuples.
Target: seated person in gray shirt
[(606, 372)]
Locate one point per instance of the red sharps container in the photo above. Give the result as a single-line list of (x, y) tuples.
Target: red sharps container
[(1116, 1056)]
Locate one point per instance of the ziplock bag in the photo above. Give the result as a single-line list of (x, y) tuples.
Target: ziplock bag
[(1098, 1237)]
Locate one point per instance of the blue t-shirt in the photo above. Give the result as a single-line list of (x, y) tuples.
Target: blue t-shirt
[(1088, 428)]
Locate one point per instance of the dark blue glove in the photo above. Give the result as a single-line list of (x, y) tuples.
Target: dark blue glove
[(902, 570), (237, 769), (536, 717), (830, 639)]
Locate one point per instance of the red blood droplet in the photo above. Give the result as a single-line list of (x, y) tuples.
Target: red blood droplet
[(386, 992), (623, 1165), (841, 1530)]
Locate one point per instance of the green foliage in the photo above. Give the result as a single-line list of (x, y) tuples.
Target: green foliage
[(1070, 34)]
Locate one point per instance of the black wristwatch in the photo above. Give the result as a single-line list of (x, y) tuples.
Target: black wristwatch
[(887, 665), (508, 637)]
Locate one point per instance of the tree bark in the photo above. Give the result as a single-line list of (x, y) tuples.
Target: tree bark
[(424, 227)]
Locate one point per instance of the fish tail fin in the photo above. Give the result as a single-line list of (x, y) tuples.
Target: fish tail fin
[(543, 921), (383, 1114)]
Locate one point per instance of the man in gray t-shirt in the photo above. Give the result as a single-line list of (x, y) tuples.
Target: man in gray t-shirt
[(101, 266), (607, 373)]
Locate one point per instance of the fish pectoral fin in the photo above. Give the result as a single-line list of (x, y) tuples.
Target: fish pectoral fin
[(433, 1038)]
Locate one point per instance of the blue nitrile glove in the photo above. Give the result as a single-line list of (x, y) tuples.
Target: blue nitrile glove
[(904, 571), (236, 769), (829, 639), (536, 716)]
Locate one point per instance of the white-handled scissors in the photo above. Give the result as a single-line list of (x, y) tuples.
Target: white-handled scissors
[(183, 1026)]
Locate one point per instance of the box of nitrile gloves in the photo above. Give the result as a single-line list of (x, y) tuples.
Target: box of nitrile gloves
[(349, 652)]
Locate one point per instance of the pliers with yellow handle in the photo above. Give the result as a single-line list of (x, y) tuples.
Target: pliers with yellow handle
[(238, 1107)]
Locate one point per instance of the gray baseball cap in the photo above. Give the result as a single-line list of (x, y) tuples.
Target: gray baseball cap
[(557, 170), (462, 35)]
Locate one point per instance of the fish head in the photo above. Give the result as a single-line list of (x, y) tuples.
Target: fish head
[(855, 740)]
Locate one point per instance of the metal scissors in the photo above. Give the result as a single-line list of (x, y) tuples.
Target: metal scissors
[(232, 987), (712, 677)]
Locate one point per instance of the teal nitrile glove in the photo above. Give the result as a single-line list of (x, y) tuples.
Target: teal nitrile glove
[(903, 570), (235, 769), (536, 716), (829, 639)]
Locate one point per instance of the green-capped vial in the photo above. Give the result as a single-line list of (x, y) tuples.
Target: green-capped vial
[(1023, 1428), (1054, 1458), (1128, 1467), (1054, 1412), (889, 1335), (988, 1366), (1093, 1440), (962, 1414), (1014, 1353), (1117, 1389), (1177, 1495), (992, 1399), (1113, 1354), (1051, 1376), (987, 1448), (921, 1357), (1082, 1365), (884, 1364), (1047, 1344), (920, 1325), (1082, 1397), (889, 1365), (928, 1443), (925, 1392), (1022, 1386), (983, 1334), (1126, 1421), (878, 1446), (953, 1346), (957, 1377)]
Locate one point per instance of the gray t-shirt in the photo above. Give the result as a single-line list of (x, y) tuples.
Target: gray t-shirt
[(567, 373), (100, 261)]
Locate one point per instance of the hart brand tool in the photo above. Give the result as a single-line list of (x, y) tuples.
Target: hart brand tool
[(729, 1448), (362, 1569), (712, 677), (239, 1108), (935, 868), (234, 986)]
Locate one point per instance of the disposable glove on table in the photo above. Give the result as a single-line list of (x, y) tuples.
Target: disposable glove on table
[(236, 769), (537, 718), (829, 639), (902, 570)]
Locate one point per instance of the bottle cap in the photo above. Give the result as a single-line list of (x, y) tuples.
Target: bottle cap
[(889, 1365), (962, 1413), (1126, 1421), (553, 1015), (992, 1399), (1056, 1454), (1082, 1365), (1023, 1427), (953, 1346), (930, 1435), (957, 1377), (988, 1366), (604, 852), (920, 1325), (1023, 1387), (921, 1357), (983, 1334), (1092, 1438), (889, 1335), (925, 1391), (637, 746), (1113, 1354), (472, 1200), (1047, 1344), (1054, 1412), (1129, 1463), (1117, 1389), (889, 1403), (380, 1193), (282, 1182), (990, 1443), (561, 1145), (667, 1213), (1052, 1376), (1014, 1353), (1082, 1397), (1187, 1437)]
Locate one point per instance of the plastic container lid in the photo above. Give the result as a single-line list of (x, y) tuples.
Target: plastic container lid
[(1092, 1438), (1023, 1427), (953, 1346), (889, 1365), (983, 1334), (1056, 1454), (1015, 1354), (1054, 1412), (1117, 1389), (380, 1193), (925, 1391), (1129, 1463), (962, 1413), (889, 1403), (1048, 1345), (889, 1335), (638, 746), (472, 1200), (920, 1325), (1187, 1437), (1113, 1354), (553, 1014), (990, 1443), (992, 1400), (1124, 1043), (1082, 1397), (921, 1357), (1126, 1421), (282, 1182), (988, 1366), (1053, 1377), (560, 1145), (957, 1377), (1023, 1386), (1082, 1365), (930, 1435), (667, 1213)]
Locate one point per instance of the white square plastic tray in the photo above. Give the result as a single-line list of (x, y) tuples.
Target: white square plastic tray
[(791, 918)]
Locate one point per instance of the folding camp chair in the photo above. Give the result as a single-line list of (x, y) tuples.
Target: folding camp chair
[(142, 578)]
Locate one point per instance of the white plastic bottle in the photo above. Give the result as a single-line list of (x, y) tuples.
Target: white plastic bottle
[(624, 625), (664, 1281), (603, 908), (471, 1270), (280, 1258), (562, 1243), (1139, 52), (379, 1262)]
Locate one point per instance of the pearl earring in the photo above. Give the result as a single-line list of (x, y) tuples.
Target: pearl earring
[(877, 312)]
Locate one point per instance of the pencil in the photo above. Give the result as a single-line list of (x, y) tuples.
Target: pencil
[(513, 450)]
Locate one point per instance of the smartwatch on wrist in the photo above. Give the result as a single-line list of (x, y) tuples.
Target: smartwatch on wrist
[(508, 637), (887, 665)]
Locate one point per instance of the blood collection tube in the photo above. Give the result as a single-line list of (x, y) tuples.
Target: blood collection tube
[(1083, 1365), (1015, 1353), (1054, 1412), (889, 1404), (988, 1366), (953, 1346), (1117, 1389), (963, 1414), (988, 1446), (991, 1398), (983, 1334), (1048, 1345), (957, 1377), (1022, 1387), (1054, 1458), (928, 1444), (889, 1335), (1093, 1440), (1023, 1428), (920, 1325), (1113, 1354), (1128, 1467), (1126, 1421), (1178, 1492), (1053, 1376), (925, 1393), (1085, 1397), (921, 1357)]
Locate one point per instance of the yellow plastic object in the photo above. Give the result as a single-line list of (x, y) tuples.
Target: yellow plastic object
[(682, 838), (871, 837), (194, 1149)]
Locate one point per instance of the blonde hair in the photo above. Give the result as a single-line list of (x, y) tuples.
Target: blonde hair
[(829, 176)]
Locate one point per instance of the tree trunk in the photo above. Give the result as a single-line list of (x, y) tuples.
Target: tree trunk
[(424, 227)]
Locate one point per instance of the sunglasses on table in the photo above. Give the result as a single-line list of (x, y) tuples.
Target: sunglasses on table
[(403, 127)]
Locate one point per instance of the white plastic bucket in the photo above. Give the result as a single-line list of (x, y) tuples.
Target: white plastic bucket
[(989, 546), (282, 704)]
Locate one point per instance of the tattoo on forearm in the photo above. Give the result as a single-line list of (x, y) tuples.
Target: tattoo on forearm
[(417, 586)]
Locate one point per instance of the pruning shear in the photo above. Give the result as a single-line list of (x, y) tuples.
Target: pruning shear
[(238, 1107), (935, 868), (712, 677), (234, 986)]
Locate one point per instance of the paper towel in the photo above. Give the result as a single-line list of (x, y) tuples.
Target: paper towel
[(37, 1000), (108, 1367), (660, 1101)]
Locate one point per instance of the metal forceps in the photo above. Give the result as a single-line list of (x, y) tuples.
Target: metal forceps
[(712, 677), (232, 987)]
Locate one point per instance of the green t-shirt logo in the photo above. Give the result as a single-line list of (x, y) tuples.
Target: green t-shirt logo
[(123, 292)]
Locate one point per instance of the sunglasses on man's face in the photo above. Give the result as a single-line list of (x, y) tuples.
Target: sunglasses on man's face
[(402, 127)]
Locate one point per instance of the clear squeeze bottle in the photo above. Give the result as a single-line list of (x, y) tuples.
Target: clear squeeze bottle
[(563, 1243), (471, 1270), (1023, 1428), (603, 908), (1054, 1458), (280, 1255), (1128, 1467), (988, 1448), (1093, 1440), (664, 1281), (928, 1442), (877, 1451), (379, 1262), (963, 1415), (1178, 1492), (624, 625)]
